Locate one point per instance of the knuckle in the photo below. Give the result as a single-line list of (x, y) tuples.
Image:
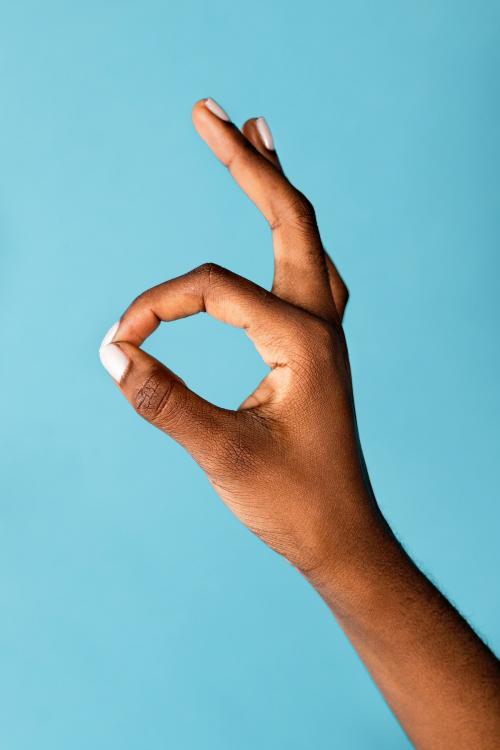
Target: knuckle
[(210, 272), (344, 292), (298, 211), (156, 399), (204, 270), (240, 156), (138, 300)]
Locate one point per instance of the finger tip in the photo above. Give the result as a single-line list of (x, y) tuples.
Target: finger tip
[(115, 361), (204, 121), (198, 106), (198, 111), (265, 134), (249, 127), (209, 110)]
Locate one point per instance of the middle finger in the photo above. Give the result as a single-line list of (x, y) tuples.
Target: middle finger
[(301, 275)]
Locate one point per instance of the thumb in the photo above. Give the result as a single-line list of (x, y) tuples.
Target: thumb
[(164, 400)]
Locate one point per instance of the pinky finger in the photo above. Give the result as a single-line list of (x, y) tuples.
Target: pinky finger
[(340, 292)]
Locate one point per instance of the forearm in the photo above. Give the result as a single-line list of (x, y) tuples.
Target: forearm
[(439, 678)]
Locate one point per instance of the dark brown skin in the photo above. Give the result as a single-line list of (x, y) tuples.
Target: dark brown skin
[(289, 465)]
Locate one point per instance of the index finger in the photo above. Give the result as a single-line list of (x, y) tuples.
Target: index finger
[(271, 323)]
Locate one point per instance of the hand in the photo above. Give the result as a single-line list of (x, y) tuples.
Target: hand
[(287, 462)]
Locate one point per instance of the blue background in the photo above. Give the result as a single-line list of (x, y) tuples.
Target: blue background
[(135, 611)]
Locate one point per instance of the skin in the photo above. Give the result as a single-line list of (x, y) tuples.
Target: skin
[(289, 465)]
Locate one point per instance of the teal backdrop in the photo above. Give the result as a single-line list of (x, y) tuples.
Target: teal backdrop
[(135, 611)]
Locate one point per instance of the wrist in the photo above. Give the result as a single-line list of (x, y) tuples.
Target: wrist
[(354, 569)]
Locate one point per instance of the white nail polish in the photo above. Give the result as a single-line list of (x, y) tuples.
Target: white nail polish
[(114, 360), (110, 335), (216, 110), (265, 133)]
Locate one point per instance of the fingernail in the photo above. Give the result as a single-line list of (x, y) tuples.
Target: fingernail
[(110, 335), (265, 133), (216, 109), (114, 360)]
